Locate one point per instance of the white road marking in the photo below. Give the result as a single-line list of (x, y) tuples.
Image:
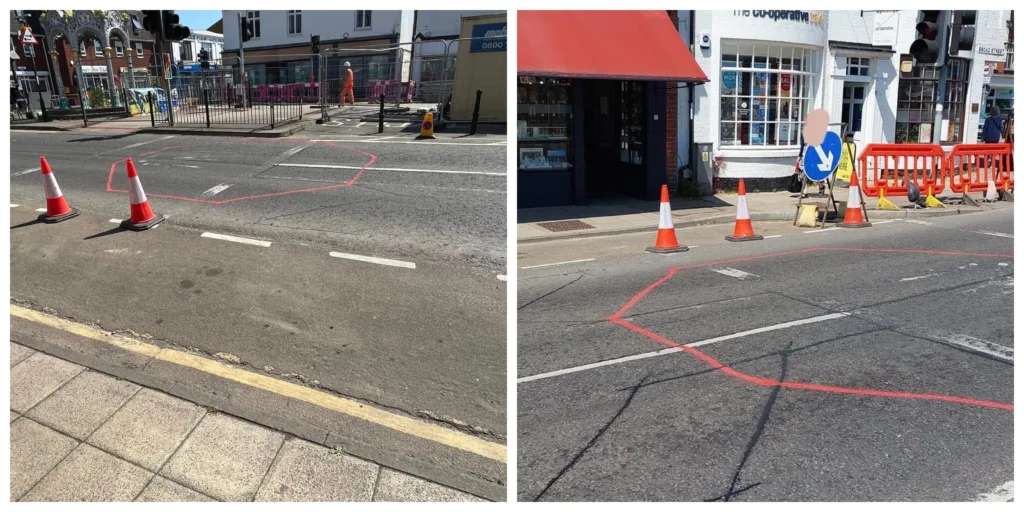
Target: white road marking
[(915, 278), (920, 222), (216, 190), (137, 144), (13, 205), (432, 143), (392, 169), (360, 124), (673, 350), (978, 345), (238, 239), (502, 277), (405, 125), (26, 171), (40, 209), (1003, 493), (993, 233), (371, 259), (731, 272), (559, 263), (773, 236), (292, 151), (115, 221), (884, 221), (826, 230), (118, 251), (1001, 263)]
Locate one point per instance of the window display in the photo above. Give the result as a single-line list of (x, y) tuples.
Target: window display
[(544, 123)]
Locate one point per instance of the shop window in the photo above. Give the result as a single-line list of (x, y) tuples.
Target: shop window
[(363, 20), (766, 92), (631, 131), (544, 123), (294, 23), (858, 66), (915, 104)]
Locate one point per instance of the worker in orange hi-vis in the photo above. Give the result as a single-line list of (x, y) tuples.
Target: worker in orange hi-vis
[(347, 92)]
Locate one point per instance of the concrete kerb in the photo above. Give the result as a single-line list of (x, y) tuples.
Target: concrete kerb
[(39, 128), (756, 217), (220, 132)]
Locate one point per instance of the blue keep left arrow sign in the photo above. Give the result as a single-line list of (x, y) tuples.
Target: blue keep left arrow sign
[(821, 161)]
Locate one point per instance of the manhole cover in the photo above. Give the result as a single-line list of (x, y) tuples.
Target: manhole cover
[(565, 225)]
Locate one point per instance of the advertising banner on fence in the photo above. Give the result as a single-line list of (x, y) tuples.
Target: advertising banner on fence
[(138, 101)]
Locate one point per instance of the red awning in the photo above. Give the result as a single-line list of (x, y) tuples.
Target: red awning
[(624, 45)]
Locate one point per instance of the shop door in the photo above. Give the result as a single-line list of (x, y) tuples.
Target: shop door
[(854, 94), (600, 138)]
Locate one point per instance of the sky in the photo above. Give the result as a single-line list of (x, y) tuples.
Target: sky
[(198, 20)]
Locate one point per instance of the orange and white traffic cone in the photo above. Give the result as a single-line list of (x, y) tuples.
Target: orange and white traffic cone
[(744, 230), (142, 215), (57, 208), (666, 241), (854, 217)]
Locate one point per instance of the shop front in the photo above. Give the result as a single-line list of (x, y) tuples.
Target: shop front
[(592, 110)]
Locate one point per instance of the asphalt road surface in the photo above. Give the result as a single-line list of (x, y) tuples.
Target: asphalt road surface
[(845, 365), (369, 270)]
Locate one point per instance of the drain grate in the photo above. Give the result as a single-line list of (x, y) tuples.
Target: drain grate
[(565, 225)]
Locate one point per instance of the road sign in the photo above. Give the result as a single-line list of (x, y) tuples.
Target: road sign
[(820, 161), (27, 37)]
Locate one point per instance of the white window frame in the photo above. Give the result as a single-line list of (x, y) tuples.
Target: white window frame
[(83, 51), (118, 48), (361, 20), (97, 48), (848, 103), (29, 50), (138, 50), (294, 21), (858, 66), (800, 99), (255, 17)]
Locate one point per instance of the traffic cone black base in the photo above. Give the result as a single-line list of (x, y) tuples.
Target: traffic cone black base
[(743, 238), (53, 220), (681, 248), (142, 226)]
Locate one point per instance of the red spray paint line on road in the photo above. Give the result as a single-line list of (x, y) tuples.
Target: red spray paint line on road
[(349, 183), (760, 381)]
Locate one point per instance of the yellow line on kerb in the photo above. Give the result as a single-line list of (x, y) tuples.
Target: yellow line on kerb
[(423, 430)]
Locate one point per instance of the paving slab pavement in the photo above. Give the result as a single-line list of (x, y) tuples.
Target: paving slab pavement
[(145, 445)]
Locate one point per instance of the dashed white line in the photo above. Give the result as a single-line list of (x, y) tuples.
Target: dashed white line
[(731, 272), (392, 169), (978, 345), (432, 143), (26, 171), (559, 263), (919, 222), (884, 221), (40, 209), (371, 259), (993, 233), (773, 236), (360, 124), (915, 278), (229, 238), (115, 221), (673, 350), (14, 205), (405, 125), (292, 151), (1003, 493), (137, 144), (216, 190), (1001, 263), (502, 277), (826, 230)]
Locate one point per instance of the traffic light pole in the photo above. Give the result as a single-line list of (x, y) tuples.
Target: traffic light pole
[(940, 94), (162, 41), (241, 58)]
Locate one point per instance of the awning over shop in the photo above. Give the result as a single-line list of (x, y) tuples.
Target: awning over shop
[(624, 45)]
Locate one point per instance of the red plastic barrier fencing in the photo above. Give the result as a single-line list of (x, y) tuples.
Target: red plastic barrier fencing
[(894, 166), (971, 166), (393, 90)]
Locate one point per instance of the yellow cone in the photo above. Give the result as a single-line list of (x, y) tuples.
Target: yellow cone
[(427, 128)]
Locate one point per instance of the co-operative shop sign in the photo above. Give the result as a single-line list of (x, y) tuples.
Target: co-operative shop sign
[(489, 37), (775, 15)]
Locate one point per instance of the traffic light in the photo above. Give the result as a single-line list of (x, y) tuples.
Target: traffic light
[(961, 31), (247, 30), (204, 59), (173, 30), (314, 41), (925, 49), (151, 21)]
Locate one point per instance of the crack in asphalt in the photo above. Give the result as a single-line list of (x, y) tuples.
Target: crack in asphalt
[(480, 432), (325, 207), (593, 440), (556, 290)]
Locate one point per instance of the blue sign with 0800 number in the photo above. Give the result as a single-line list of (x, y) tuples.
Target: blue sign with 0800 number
[(489, 37)]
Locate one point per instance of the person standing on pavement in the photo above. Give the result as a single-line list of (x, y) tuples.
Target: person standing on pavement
[(992, 131), (347, 91)]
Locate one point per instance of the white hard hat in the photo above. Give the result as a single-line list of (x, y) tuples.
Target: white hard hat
[(347, 65)]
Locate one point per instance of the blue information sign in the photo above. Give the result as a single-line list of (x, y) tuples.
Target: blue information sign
[(495, 34), (821, 161)]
